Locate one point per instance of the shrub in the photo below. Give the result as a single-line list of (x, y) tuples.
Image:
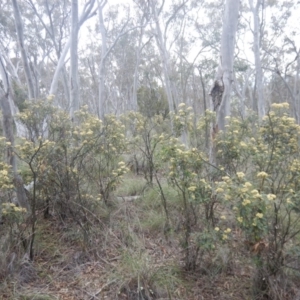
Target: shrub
[(264, 196), (74, 166)]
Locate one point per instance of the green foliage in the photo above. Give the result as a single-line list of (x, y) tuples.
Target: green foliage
[(188, 170), (20, 96), (152, 101), (263, 185), (145, 140), (73, 167), (256, 180), (12, 213), (76, 157), (131, 187), (142, 277)]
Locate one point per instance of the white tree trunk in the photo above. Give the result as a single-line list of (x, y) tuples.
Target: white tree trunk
[(59, 66), (12, 76), (20, 34), (258, 68), (61, 62), (74, 82), (164, 57), (7, 117), (103, 106), (296, 87), (102, 71), (221, 90), (134, 104)]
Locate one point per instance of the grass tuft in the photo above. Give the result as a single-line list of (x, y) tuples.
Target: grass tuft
[(131, 186)]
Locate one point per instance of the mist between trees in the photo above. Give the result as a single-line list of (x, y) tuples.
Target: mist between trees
[(198, 100)]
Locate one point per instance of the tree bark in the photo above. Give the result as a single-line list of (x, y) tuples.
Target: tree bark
[(9, 134), (103, 107), (258, 68), (20, 34), (102, 70), (221, 90), (164, 57), (74, 82), (59, 66), (296, 88), (134, 104), (86, 14)]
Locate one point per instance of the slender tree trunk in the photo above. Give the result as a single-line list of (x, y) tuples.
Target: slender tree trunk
[(258, 68), (12, 72), (59, 66), (103, 102), (205, 107), (87, 13), (134, 104), (221, 90), (296, 88), (9, 134), (74, 82), (20, 34), (164, 57), (292, 95), (102, 70)]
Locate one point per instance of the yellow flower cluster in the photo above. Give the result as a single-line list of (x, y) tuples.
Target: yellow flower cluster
[(122, 169), (219, 190), (283, 105), (5, 178), (228, 230), (271, 197), (240, 175), (10, 208), (192, 188), (240, 219), (262, 175), (259, 215), (246, 202)]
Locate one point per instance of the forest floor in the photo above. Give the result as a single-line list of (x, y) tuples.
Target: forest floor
[(128, 256)]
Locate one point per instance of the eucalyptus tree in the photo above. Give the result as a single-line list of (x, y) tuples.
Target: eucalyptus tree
[(282, 57), (168, 17), (272, 29), (121, 37), (45, 41), (125, 64), (144, 17), (259, 81), (53, 17), (7, 119), (77, 22), (208, 31), (109, 39), (74, 83), (221, 90), (24, 54), (284, 83)]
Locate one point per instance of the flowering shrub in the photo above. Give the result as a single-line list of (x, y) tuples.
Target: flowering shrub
[(263, 187), (187, 172), (182, 119), (12, 213), (73, 166), (145, 137), (100, 147)]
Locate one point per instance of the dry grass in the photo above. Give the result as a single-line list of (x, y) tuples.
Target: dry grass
[(128, 257)]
